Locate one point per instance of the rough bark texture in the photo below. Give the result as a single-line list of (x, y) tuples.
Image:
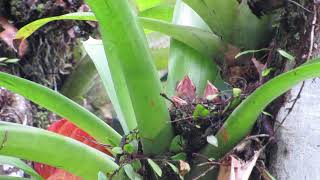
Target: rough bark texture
[(297, 154)]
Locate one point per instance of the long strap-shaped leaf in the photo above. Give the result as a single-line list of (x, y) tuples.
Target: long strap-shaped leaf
[(220, 15), (46, 147), (240, 122), (16, 162), (185, 60), (62, 106), (127, 51), (203, 41)]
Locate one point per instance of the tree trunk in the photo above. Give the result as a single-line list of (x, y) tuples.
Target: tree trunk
[(297, 154)]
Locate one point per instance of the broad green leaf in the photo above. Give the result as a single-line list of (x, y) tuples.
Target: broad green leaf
[(102, 176), (128, 148), (286, 55), (187, 61), (250, 32), (117, 92), (220, 15), (21, 165), (161, 12), (240, 122), (41, 146), (26, 31), (147, 4), (131, 173), (155, 167), (233, 22), (204, 41), (62, 106), (130, 59), (212, 140)]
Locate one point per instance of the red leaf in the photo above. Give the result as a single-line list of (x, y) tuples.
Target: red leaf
[(66, 128), (186, 89)]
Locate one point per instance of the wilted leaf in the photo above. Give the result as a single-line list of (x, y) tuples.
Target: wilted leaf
[(156, 168), (237, 169), (8, 36), (212, 140), (184, 168)]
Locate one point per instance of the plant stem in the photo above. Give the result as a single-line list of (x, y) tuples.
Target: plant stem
[(127, 52)]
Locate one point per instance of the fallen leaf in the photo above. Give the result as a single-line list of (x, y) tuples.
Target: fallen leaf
[(8, 36)]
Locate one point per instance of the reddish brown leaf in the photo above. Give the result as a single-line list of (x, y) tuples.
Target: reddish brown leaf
[(186, 89), (8, 36), (66, 128), (237, 168), (211, 93)]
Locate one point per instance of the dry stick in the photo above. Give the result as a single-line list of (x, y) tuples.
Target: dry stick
[(311, 46)]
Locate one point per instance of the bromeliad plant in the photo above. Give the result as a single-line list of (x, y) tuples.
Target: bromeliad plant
[(133, 86)]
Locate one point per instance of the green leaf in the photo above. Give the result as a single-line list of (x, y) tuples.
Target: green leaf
[(177, 144), (286, 55), (204, 41), (175, 169), (117, 92), (62, 106), (128, 148), (102, 176), (163, 12), (266, 72), (40, 145), (200, 111), (156, 168), (240, 122), (3, 59), (250, 52), (12, 60), (234, 22), (181, 156), (201, 40), (131, 173), (236, 92), (219, 15), (130, 60), (147, 4), (26, 31), (12, 178), (116, 150), (21, 165), (212, 140), (187, 61)]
